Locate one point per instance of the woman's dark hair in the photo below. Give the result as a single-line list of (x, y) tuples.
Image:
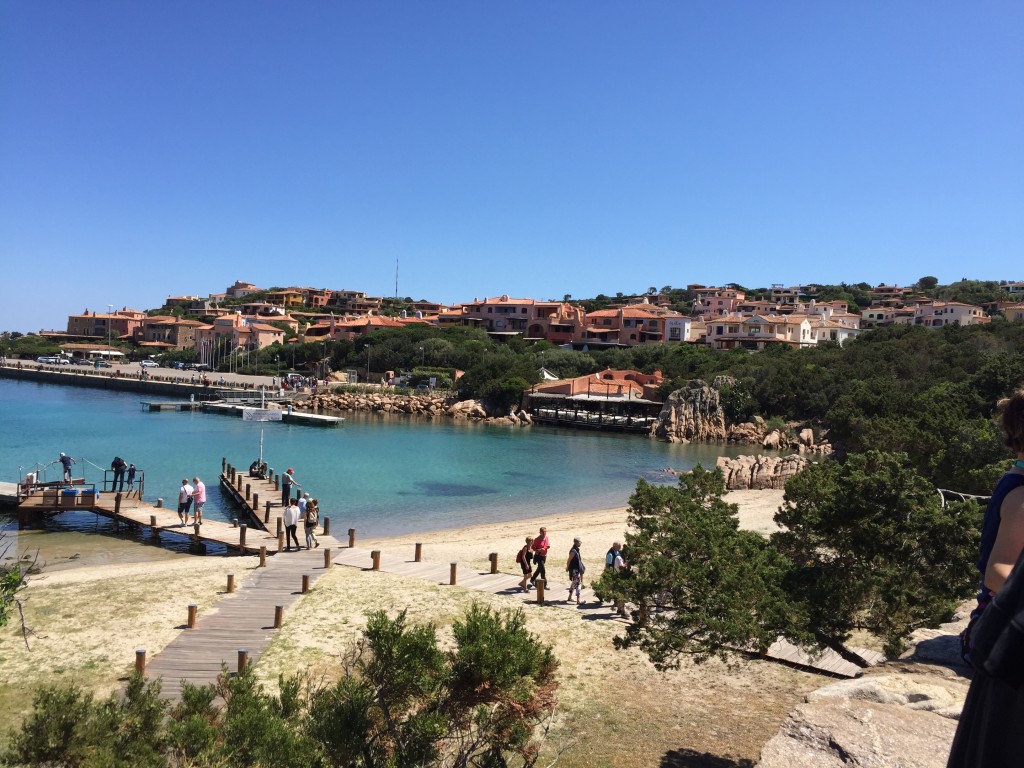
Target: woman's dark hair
[(1012, 410)]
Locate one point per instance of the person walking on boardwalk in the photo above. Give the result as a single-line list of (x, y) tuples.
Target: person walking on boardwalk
[(118, 465), (287, 481), (184, 500), (525, 559), (66, 461), (198, 500), (131, 477), (574, 565), (291, 524), (540, 546), (312, 519)]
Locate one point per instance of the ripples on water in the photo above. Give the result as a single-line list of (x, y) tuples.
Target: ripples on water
[(382, 475)]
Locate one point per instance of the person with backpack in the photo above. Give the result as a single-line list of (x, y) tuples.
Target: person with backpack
[(574, 565), (525, 559), (613, 560)]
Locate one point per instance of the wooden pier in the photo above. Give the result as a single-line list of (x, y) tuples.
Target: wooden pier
[(128, 509)]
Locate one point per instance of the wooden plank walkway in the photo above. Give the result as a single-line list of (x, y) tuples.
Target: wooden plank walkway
[(244, 619)]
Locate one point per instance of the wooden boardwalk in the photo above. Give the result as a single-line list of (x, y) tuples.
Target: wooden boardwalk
[(243, 620)]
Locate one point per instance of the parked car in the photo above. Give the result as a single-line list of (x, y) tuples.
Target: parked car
[(50, 359), (102, 364), (149, 363), (80, 361), (203, 367)]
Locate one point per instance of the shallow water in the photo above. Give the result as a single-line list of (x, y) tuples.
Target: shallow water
[(383, 475)]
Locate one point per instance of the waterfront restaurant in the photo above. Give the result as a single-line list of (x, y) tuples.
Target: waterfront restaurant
[(620, 401)]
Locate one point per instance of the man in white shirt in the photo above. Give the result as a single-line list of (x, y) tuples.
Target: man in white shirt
[(184, 500)]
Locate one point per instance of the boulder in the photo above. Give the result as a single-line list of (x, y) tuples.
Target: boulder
[(760, 472), (691, 413), (841, 732), (772, 440), (806, 437)]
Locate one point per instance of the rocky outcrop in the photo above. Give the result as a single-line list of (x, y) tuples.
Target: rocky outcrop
[(898, 714), (428, 406), (760, 472), (691, 413)]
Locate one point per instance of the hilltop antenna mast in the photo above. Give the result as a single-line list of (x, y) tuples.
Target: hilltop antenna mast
[(396, 278)]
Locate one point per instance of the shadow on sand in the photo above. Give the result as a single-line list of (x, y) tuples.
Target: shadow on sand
[(687, 758)]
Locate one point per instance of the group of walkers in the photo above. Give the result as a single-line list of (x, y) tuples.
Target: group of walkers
[(533, 556), (191, 497), (307, 511)]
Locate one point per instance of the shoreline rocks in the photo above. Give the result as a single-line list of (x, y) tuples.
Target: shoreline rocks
[(762, 472), (427, 406)]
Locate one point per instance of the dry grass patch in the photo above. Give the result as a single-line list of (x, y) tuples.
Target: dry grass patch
[(615, 709), (88, 622)]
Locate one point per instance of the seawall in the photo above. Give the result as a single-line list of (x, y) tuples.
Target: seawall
[(159, 384)]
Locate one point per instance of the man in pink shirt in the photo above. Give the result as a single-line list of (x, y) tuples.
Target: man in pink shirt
[(541, 545), (198, 499)]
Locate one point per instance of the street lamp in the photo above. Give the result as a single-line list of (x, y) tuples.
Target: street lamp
[(110, 311), (367, 363)]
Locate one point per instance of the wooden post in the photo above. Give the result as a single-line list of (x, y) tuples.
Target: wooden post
[(327, 558), (243, 660), (493, 557), (248, 491), (540, 584), (375, 557), (231, 475), (117, 503), (280, 526), (241, 537), (223, 463), (256, 503), (231, 583), (419, 552), (278, 616), (159, 503), (280, 540), (152, 521), (192, 609), (234, 522), (140, 661), (266, 515), (305, 583), (351, 538), (238, 485), (270, 473), (451, 574), (327, 526), (195, 529), (277, 482), (263, 557)]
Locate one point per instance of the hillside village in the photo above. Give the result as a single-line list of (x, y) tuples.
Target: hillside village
[(251, 318)]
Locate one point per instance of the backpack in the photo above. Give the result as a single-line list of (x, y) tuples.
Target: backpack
[(519, 557), (609, 559)]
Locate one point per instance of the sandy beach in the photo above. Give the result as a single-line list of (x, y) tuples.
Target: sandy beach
[(614, 710)]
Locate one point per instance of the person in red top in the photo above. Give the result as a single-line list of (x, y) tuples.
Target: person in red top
[(540, 547)]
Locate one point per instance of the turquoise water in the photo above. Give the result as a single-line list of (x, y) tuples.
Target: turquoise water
[(380, 475)]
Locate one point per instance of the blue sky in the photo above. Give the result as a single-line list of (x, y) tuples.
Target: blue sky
[(537, 149)]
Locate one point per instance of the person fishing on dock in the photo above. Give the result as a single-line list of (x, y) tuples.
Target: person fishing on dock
[(287, 481), (66, 461)]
